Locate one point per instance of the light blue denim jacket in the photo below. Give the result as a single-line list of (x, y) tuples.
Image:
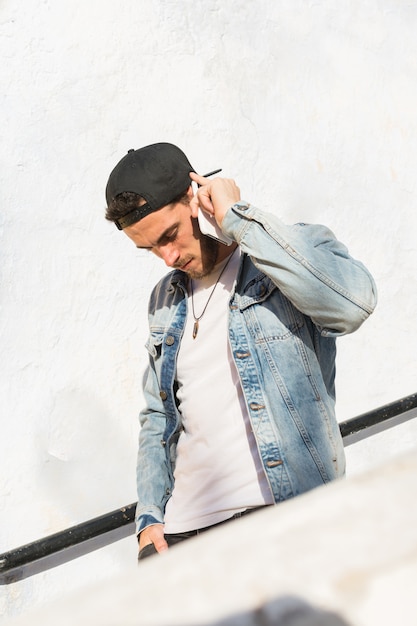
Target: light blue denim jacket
[(297, 289)]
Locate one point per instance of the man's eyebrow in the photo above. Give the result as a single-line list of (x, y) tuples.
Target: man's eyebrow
[(160, 239)]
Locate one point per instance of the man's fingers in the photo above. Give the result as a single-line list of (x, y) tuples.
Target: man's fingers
[(200, 180), (202, 198), (215, 195), (153, 534), (160, 545)]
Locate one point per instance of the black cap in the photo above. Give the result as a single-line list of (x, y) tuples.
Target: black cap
[(159, 173)]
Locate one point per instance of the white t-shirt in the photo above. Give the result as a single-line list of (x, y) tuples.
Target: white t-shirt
[(218, 470)]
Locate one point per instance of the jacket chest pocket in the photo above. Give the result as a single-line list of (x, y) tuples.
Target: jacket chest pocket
[(268, 313)]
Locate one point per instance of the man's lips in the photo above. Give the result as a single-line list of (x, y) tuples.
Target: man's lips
[(184, 267)]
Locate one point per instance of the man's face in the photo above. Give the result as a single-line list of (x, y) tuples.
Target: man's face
[(172, 233)]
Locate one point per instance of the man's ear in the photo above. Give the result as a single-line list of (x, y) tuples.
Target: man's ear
[(193, 202)]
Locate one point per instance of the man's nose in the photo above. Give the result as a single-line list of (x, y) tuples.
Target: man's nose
[(169, 254)]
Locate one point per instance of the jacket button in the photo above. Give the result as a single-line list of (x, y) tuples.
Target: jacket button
[(170, 340), (254, 406), (163, 395), (274, 463), (163, 443)]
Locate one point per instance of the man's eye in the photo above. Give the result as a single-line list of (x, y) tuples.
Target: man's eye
[(170, 237)]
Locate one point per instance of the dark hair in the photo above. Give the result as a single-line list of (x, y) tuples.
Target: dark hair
[(122, 204), (127, 201)]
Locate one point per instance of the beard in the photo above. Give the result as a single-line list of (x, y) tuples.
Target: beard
[(209, 249), (209, 252)]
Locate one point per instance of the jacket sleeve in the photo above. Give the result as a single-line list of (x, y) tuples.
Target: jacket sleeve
[(151, 473), (309, 265), (160, 427)]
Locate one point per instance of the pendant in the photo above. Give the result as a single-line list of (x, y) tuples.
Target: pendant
[(195, 329)]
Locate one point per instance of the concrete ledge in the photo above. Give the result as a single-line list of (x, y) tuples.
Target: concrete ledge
[(345, 554)]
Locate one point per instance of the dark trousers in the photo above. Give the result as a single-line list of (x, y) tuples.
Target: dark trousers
[(174, 538)]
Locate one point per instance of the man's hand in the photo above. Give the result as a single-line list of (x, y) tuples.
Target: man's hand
[(153, 534), (215, 196)]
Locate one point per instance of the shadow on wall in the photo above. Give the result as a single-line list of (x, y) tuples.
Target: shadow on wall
[(285, 611)]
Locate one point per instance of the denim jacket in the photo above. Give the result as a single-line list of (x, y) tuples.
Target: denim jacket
[(297, 289)]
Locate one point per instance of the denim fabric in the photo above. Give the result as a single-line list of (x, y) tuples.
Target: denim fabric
[(297, 289)]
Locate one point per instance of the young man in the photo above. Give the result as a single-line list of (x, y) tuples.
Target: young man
[(240, 385)]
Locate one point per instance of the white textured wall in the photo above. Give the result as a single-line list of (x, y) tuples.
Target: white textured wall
[(311, 106)]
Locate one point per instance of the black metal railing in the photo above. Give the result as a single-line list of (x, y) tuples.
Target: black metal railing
[(378, 420), (96, 533)]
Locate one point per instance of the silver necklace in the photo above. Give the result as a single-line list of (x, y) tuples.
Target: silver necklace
[(197, 319)]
